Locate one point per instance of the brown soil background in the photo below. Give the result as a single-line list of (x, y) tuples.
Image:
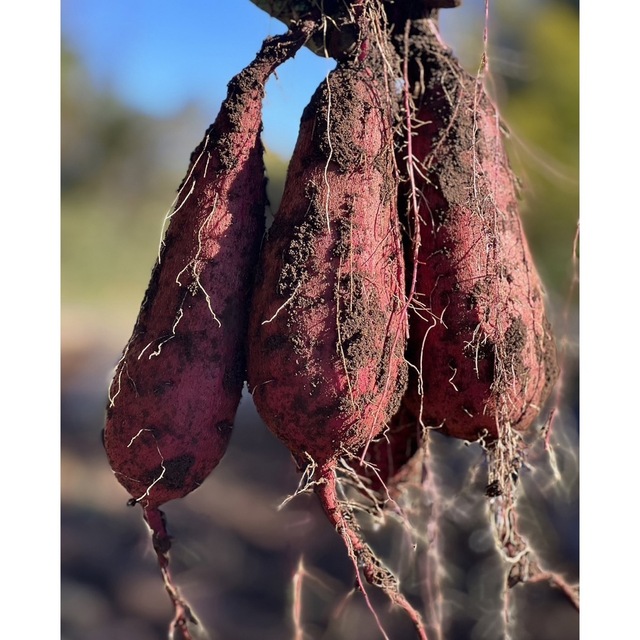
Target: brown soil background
[(235, 554)]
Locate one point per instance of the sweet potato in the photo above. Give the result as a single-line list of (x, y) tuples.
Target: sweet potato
[(328, 323), (479, 335), (175, 391), (385, 464), (176, 388)]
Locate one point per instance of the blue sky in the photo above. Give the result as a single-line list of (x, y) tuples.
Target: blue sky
[(158, 55)]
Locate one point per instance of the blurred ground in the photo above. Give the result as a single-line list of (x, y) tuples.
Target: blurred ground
[(235, 554)]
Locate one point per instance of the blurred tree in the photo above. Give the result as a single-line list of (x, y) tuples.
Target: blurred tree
[(533, 53), (111, 174), (120, 168), (120, 171), (543, 112)]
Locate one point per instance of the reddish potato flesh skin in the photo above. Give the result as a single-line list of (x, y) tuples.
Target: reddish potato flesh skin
[(185, 397), (481, 337), (175, 391), (391, 453), (328, 323)]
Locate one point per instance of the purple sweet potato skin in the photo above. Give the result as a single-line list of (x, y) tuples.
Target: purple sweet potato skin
[(175, 391), (392, 454), (478, 332), (328, 322)]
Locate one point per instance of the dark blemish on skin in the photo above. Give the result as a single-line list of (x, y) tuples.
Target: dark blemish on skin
[(276, 342), (161, 388), (176, 471), (234, 374)]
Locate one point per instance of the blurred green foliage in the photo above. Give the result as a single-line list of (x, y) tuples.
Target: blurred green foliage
[(120, 168), (120, 171), (533, 51), (544, 114)]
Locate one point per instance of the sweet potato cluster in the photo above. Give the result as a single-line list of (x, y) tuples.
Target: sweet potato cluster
[(394, 292)]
